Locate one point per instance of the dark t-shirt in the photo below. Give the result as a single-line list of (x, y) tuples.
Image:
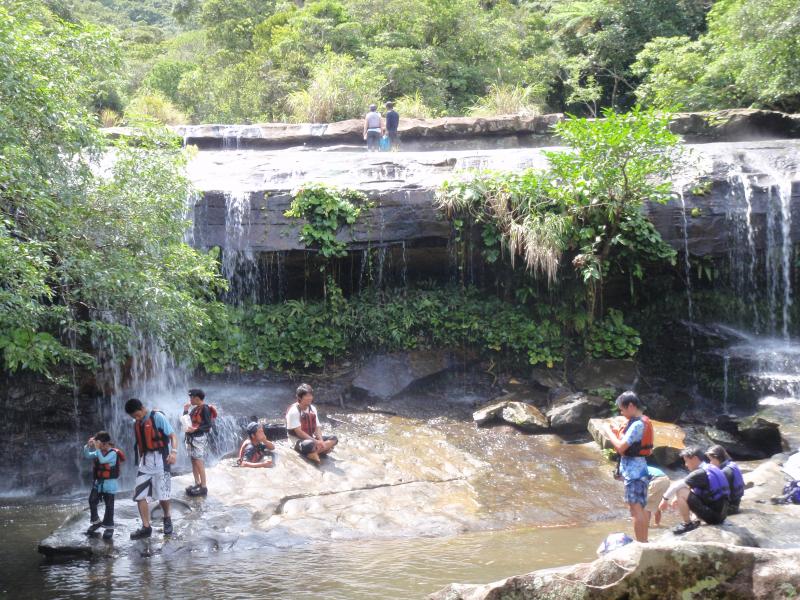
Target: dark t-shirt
[(206, 421), (698, 480), (392, 121)]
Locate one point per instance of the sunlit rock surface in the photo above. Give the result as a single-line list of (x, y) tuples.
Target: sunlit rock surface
[(668, 442)]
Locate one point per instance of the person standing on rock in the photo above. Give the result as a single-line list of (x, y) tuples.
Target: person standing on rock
[(105, 473), (156, 452), (633, 443), (392, 124), (719, 457), (202, 417), (372, 128), (704, 492), (302, 424)]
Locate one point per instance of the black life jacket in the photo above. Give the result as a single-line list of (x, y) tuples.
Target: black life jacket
[(106, 470)]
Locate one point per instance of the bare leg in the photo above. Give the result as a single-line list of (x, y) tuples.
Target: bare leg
[(199, 470), (682, 504), (639, 518), (658, 518), (328, 446), (144, 512), (165, 506)]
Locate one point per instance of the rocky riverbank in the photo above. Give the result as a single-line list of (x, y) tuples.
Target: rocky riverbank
[(753, 554)]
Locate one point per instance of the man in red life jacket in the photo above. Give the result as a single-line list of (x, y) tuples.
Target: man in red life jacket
[(302, 424), (156, 452), (105, 472), (633, 444), (256, 451), (202, 418)]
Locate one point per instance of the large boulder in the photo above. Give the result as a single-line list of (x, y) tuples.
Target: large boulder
[(511, 410), (665, 407), (571, 414), (525, 416), (667, 445), (616, 373), (656, 570), (384, 376), (747, 438)]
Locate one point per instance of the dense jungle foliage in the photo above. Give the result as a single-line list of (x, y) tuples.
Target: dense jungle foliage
[(94, 266), (322, 60)]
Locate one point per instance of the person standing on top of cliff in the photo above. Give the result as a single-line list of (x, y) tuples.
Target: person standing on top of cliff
[(633, 443), (392, 123), (372, 128)]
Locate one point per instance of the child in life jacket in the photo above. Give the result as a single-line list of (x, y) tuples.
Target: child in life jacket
[(105, 472)]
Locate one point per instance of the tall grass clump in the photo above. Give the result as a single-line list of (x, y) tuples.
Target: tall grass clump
[(414, 107), (155, 106), (504, 99), (339, 89)]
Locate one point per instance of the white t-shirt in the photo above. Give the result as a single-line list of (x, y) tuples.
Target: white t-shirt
[(293, 417)]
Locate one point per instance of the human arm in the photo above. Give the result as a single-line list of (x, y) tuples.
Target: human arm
[(89, 450), (621, 444), (265, 464), (205, 421), (173, 452)]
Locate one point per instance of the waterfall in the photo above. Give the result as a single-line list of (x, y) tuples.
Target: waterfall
[(688, 274), (151, 375), (743, 252), (785, 193), (726, 361), (239, 264)]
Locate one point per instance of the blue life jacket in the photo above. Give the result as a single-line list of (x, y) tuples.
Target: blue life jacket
[(717, 485), (735, 480)]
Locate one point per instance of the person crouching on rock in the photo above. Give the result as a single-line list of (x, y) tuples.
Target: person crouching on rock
[(256, 451), (704, 492), (105, 473), (633, 444), (303, 426), (156, 452), (718, 456)]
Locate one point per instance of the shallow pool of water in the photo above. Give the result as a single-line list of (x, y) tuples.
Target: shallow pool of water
[(405, 568)]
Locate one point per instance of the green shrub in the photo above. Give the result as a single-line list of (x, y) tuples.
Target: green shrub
[(155, 106), (413, 107), (338, 89), (504, 99)]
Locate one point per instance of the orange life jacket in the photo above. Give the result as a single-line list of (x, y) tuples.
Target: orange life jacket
[(106, 470), (645, 446), (197, 414), (148, 436)]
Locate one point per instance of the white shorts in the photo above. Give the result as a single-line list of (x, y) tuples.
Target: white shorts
[(196, 447), (157, 486)]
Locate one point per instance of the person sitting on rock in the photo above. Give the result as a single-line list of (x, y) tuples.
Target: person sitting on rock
[(659, 483), (256, 450), (633, 444), (105, 473), (719, 457), (303, 426), (704, 492)]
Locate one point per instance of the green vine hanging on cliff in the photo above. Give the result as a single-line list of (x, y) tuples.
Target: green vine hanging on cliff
[(326, 211)]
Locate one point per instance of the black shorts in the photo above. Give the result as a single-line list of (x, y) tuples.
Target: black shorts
[(307, 446), (713, 513)]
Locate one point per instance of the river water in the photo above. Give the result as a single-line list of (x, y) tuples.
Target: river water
[(405, 568), (543, 502)]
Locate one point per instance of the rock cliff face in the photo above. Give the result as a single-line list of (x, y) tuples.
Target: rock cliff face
[(735, 195)]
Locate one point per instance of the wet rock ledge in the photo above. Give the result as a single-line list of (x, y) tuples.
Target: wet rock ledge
[(754, 554), (503, 131)]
